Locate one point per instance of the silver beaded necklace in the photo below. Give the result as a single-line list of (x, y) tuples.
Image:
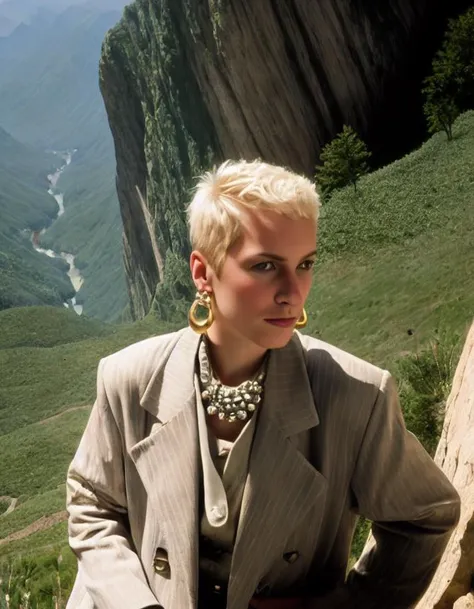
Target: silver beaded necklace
[(230, 403)]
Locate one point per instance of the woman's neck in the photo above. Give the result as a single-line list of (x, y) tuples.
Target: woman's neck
[(234, 360)]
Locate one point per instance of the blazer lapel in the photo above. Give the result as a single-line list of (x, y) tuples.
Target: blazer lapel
[(168, 462), (281, 484)]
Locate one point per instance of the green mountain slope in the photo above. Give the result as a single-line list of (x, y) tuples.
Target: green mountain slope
[(91, 228), (23, 175), (27, 277), (396, 256), (50, 98), (399, 253)]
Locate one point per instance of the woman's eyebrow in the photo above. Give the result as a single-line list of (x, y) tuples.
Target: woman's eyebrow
[(280, 258)]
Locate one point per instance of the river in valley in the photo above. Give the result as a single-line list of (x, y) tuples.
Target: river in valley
[(73, 273)]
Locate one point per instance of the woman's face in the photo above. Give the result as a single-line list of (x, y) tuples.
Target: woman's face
[(265, 280)]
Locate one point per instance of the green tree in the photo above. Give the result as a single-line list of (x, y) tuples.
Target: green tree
[(440, 111), (449, 90), (344, 161)]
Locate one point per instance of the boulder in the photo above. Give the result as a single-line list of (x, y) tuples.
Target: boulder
[(453, 582)]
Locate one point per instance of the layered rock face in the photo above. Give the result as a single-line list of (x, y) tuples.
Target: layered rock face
[(187, 83), (453, 584)]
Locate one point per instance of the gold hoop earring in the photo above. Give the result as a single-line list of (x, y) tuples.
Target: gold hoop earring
[(302, 321), (201, 325)]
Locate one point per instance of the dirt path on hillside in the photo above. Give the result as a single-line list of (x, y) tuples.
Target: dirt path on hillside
[(13, 501), (45, 522), (60, 414)]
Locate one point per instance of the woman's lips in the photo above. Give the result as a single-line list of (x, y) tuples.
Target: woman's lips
[(283, 323)]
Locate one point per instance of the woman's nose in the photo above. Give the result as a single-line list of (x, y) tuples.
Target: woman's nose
[(289, 291)]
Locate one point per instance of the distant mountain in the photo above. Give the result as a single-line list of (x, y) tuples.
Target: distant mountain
[(14, 12), (26, 277), (50, 99), (23, 171), (49, 95), (6, 25)]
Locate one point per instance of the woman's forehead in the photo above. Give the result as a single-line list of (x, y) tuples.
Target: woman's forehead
[(274, 232)]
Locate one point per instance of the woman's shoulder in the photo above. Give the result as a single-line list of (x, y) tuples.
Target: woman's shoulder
[(324, 357), (136, 363)]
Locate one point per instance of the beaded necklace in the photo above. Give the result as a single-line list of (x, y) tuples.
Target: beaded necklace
[(230, 403)]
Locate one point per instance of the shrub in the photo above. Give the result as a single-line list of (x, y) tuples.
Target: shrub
[(426, 379), (344, 161)]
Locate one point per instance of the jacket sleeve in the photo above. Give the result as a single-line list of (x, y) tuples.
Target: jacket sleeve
[(98, 523), (411, 503)]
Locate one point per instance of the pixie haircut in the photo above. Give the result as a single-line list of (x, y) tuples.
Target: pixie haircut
[(221, 195)]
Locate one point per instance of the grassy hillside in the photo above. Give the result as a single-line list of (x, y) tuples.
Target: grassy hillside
[(46, 327), (396, 256), (26, 278), (399, 253)]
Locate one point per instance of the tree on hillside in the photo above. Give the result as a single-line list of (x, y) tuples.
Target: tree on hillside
[(344, 160), (450, 88), (440, 108)]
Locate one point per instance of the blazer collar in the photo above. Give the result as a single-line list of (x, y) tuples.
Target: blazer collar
[(288, 392), (171, 386), (287, 388)]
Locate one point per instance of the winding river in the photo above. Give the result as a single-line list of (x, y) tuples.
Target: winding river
[(73, 273)]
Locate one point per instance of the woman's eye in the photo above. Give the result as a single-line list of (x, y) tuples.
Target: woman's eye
[(307, 265), (264, 266)]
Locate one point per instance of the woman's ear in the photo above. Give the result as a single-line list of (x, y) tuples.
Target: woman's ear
[(200, 271)]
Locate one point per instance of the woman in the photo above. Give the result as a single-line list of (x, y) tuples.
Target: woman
[(225, 465)]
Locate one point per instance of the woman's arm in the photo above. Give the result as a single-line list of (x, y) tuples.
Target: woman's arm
[(412, 504), (98, 521)]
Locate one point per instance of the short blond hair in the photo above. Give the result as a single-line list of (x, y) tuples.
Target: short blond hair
[(215, 212)]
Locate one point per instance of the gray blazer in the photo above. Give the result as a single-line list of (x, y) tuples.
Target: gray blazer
[(330, 444)]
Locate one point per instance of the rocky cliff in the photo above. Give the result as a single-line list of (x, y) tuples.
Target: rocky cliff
[(190, 82), (453, 584)]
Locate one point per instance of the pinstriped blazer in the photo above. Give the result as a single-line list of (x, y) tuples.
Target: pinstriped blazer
[(330, 444)]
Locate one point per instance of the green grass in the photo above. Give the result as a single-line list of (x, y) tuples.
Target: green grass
[(34, 458), (429, 189), (405, 252), (48, 540), (46, 327), (42, 504), (40, 383), (366, 306)]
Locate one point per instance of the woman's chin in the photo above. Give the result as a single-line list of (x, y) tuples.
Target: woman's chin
[(277, 338)]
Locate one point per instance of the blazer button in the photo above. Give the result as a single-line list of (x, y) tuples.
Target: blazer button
[(217, 589), (291, 557), (161, 563)]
